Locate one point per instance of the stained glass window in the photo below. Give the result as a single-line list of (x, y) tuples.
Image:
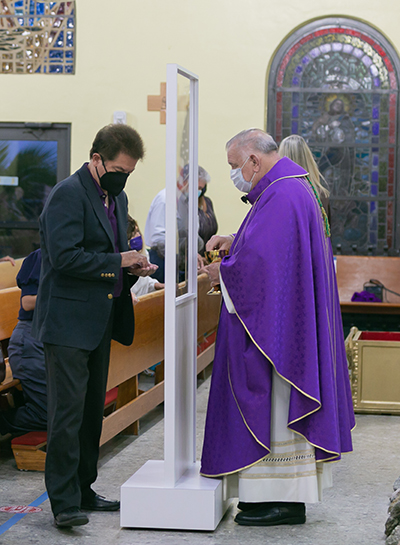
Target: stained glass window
[(335, 82), (37, 37)]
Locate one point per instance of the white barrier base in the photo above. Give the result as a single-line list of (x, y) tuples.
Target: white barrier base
[(195, 503)]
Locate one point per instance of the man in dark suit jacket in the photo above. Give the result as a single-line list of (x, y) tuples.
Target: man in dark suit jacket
[(83, 302)]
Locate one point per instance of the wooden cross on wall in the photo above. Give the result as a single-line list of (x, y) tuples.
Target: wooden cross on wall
[(158, 103)]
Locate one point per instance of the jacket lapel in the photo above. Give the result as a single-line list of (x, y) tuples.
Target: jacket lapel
[(95, 201), (120, 212)]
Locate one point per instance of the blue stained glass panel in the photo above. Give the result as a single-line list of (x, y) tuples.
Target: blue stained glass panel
[(39, 28)]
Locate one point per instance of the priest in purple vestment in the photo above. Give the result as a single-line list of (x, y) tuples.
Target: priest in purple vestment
[(280, 407)]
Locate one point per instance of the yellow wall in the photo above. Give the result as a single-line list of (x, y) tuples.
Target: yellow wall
[(122, 49)]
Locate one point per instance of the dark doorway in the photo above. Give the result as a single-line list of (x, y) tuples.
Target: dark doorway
[(33, 158)]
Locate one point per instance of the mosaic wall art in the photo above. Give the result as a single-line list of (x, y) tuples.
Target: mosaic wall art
[(338, 88), (37, 37)]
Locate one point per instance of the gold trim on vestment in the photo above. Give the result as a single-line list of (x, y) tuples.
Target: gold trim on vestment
[(336, 454)]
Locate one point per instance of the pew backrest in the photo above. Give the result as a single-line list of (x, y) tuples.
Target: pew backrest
[(148, 344), (9, 305), (354, 271), (8, 273)]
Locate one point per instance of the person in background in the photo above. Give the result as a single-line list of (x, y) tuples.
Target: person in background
[(207, 221), (144, 284), (295, 148), (26, 357), (154, 232)]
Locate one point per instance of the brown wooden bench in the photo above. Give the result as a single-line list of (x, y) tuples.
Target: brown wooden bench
[(354, 271), (8, 273), (126, 363)]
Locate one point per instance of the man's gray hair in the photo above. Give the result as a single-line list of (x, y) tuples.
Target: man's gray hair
[(202, 175), (252, 140)]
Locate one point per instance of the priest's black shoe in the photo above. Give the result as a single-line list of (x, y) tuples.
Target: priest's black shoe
[(280, 513), (99, 503), (70, 517), (246, 506)]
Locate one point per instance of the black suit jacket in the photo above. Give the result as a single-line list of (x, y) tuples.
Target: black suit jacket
[(80, 267)]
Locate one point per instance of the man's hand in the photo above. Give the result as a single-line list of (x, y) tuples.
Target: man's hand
[(147, 270), (213, 273), (220, 242), (137, 263), (8, 258)]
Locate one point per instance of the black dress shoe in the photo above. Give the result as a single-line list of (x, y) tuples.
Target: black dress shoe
[(246, 506), (70, 517), (280, 513), (99, 503)]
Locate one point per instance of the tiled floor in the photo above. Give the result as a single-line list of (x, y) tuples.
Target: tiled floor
[(352, 513)]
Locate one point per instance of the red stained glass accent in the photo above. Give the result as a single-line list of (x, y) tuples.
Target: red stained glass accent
[(390, 190), (392, 100), (389, 223), (293, 49), (278, 98), (388, 64), (380, 50), (390, 211), (278, 129), (369, 40), (391, 129), (391, 158), (393, 80), (306, 39), (322, 32), (391, 176)]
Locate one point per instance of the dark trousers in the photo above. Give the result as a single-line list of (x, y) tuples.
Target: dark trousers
[(27, 364), (76, 388)]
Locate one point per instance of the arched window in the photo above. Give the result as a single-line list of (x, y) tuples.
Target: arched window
[(334, 81)]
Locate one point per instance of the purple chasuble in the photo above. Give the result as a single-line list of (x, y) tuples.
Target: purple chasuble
[(280, 277)]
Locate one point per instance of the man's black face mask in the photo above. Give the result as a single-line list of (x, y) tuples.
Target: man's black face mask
[(113, 182)]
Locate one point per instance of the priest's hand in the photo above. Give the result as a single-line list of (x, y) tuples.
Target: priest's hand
[(220, 242), (213, 273)]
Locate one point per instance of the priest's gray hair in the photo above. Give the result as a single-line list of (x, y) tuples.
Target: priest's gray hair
[(252, 140)]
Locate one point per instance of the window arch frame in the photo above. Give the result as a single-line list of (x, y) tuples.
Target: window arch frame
[(296, 38)]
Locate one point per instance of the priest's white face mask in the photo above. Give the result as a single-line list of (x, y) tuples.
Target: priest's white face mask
[(238, 178)]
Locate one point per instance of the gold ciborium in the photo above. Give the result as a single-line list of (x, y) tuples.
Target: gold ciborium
[(215, 256)]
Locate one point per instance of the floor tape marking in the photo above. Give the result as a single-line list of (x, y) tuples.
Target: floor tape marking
[(16, 518)]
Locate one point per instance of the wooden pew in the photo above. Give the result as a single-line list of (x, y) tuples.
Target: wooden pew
[(352, 273), (9, 305), (126, 363), (8, 273)]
